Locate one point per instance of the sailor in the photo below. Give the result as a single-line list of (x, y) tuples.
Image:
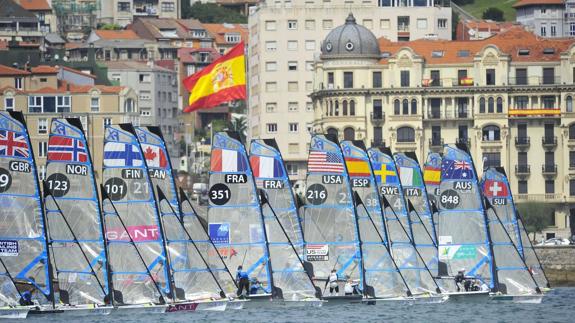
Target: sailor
[(460, 278), (243, 281), (484, 287), (26, 299), (348, 288), (333, 286), (256, 286)]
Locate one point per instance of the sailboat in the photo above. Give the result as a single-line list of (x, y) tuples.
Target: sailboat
[(235, 220), (23, 250), (330, 227), (383, 278), (139, 266), (464, 241), (74, 226), (404, 250), (432, 179), (283, 227), (515, 281), (196, 288)]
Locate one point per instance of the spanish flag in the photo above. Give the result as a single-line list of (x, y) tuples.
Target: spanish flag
[(431, 175), (222, 81), (357, 167)]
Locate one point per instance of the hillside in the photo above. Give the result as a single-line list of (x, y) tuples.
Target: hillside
[(479, 6)]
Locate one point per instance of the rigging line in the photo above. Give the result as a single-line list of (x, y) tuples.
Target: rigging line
[(106, 197), (183, 198), (520, 218), (412, 209), (48, 191), (386, 203), (11, 278), (162, 196)]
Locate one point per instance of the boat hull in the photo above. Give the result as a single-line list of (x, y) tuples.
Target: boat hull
[(14, 313), (142, 309), (338, 300), (518, 299), (408, 301), (237, 304), (468, 297)]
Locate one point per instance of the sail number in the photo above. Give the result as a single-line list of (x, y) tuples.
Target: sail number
[(59, 184), (116, 188), (5, 180), (499, 201), (450, 199), (316, 194), (220, 194)]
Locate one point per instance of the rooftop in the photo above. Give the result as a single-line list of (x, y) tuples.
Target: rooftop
[(186, 55), (525, 3), (11, 10), (9, 71), (116, 34), (34, 4), (219, 31), (44, 69)]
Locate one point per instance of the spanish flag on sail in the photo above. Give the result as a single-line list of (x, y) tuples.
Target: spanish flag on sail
[(222, 81), (357, 167)]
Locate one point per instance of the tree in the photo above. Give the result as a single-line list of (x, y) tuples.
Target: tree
[(536, 216), (211, 13), (240, 125), (493, 13), (110, 27)]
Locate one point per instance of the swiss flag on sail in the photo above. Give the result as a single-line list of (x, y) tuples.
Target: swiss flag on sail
[(155, 156), (493, 188)]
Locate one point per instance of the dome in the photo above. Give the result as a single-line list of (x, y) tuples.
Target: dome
[(350, 41)]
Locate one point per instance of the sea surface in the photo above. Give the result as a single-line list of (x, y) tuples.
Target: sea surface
[(557, 306)]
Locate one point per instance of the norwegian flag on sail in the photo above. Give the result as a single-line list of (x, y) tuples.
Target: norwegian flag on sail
[(67, 149), (13, 144), (155, 156)]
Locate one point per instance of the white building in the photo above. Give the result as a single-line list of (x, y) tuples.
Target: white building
[(282, 42), (547, 18)]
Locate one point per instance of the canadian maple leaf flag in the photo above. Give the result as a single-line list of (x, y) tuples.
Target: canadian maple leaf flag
[(155, 156)]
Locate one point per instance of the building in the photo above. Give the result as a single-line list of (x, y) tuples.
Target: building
[(157, 91), (19, 25), (508, 97), (44, 13), (547, 18), (241, 6), (47, 92), (226, 36), (479, 29), (76, 18), (283, 40), (123, 12)]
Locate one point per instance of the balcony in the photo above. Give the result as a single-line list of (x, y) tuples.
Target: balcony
[(378, 143), (534, 80), (549, 141), (522, 142), (434, 114), (551, 197), (522, 170), (449, 114), (465, 141), (377, 117), (436, 142), (549, 169), (534, 112)]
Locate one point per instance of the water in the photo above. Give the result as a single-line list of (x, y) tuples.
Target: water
[(557, 306)]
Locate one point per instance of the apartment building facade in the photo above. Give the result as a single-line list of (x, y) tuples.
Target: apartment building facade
[(123, 12), (48, 92), (283, 41), (547, 18), (509, 98)]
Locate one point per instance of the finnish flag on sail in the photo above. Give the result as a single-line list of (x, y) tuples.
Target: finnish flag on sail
[(118, 154)]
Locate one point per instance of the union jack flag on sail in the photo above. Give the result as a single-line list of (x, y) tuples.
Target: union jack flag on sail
[(13, 144), (67, 149)]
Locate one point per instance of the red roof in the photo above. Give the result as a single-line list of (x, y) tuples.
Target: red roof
[(9, 71), (44, 69), (219, 31), (34, 4), (186, 54), (525, 3), (117, 34)]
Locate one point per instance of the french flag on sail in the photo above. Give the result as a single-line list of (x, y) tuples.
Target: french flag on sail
[(225, 160), (265, 167)]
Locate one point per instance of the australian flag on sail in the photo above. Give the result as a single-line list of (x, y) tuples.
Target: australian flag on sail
[(13, 144), (118, 154), (456, 169), (67, 149)]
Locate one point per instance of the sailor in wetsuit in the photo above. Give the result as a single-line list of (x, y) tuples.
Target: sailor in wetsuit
[(460, 278), (333, 286), (243, 281)]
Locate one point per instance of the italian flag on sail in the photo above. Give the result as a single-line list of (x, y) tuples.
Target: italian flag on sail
[(409, 177)]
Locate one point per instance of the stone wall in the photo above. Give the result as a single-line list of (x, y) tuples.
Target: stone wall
[(559, 264)]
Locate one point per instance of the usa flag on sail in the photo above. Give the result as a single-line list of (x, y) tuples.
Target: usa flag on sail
[(322, 161), (13, 144), (226, 160), (66, 149), (155, 156), (118, 154)]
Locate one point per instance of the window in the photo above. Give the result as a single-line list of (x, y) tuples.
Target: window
[(42, 148), (414, 106), (107, 122), (549, 75), (43, 79), (384, 23), (292, 169), (521, 76), (377, 79), (523, 52), (129, 105), (352, 108), (330, 80), (404, 75), (271, 86), (384, 3), (405, 134), (569, 103), (499, 105), (293, 106), (293, 127), (168, 7), (336, 110), (553, 30), (18, 83), (548, 101), (271, 25), (49, 104), (442, 23), (310, 45), (332, 131), (491, 160), (521, 102), (572, 187), (145, 95), (461, 75), (344, 107), (309, 86), (310, 24), (327, 24), (233, 38), (543, 30), (550, 186), (292, 45), (347, 80), (463, 53), (42, 126), (349, 133), (490, 105), (95, 104), (422, 23), (271, 46), (145, 113), (271, 107), (145, 78), (396, 107), (572, 131), (572, 29), (437, 53), (271, 66), (491, 133), (490, 76), (572, 159), (123, 6), (272, 127), (292, 24), (292, 66), (522, 187), (435, 78), (8, 104), (377, 109), (292, 87), (405, 107)]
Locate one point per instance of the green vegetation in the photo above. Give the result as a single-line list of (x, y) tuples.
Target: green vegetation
[(478, 7), (240, 125), (109, 27), (211, 13), (536, 215), (494, 14)]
